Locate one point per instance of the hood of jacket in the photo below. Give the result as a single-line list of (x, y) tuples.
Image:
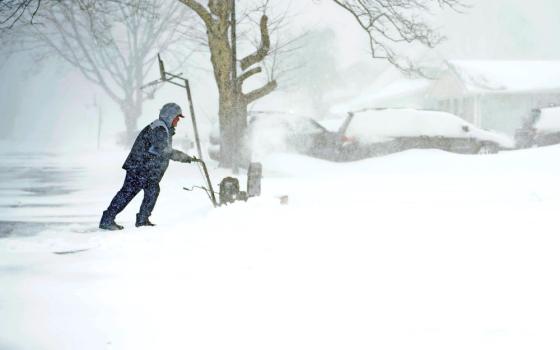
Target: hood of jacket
[(168, 112)]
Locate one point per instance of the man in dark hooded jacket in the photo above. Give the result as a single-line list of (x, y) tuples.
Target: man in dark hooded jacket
[(145, 165)]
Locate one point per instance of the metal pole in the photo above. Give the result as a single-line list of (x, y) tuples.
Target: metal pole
[(197, 139), (193, 118), (210, 189), (235, 111)]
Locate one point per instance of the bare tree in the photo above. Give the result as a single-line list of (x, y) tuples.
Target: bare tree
[(112, 43), (12, 11), (233, 101), (390, 23)]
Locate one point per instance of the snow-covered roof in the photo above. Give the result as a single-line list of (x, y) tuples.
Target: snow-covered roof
[(382, 125), (549, 121), (376, 95), (494, 76)]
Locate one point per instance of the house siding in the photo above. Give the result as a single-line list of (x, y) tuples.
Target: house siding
[(489, 110)]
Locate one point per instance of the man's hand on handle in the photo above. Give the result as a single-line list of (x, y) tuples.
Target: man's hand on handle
[(182, 157), (189, 159)]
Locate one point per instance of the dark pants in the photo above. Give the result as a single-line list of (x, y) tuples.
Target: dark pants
[(134, 183)]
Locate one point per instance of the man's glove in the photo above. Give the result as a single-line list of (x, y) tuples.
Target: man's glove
[(188, 159), (179, 156), (182, 157), (185, 158)]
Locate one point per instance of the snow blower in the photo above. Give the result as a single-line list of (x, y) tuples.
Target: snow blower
[(229, 190), (229, 187)]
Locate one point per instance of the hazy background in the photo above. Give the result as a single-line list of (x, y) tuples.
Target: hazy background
[(48, 106)]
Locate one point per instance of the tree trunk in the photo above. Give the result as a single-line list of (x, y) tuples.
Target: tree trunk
[(234, 150), (220, 55), (132, 112), (243, 149), (227, 132)]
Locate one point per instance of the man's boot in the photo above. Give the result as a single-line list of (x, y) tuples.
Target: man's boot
[(108, 222), (142, 220)]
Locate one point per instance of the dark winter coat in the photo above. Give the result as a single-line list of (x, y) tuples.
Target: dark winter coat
[(152, 150)]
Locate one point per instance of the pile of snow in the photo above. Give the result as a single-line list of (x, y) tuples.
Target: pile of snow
[(383, 125), (418, 250), (549, 120), (508, 76)]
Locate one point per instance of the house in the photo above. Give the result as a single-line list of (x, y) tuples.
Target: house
[(496, 94), (389, 90), (541, 129)]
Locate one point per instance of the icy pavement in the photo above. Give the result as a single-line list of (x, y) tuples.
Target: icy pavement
[(417, 250), (34, 192)]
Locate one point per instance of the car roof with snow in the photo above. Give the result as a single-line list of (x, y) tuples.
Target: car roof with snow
[(379, 125)]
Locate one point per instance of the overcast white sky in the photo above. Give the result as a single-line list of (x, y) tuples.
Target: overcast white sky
[(54, 105)]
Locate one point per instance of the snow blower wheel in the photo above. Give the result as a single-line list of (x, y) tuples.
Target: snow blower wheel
[(229, 191)]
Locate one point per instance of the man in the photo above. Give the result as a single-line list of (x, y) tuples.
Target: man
[(145, 165)]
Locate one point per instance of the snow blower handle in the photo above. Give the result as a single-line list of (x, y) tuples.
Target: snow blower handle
[(208, 182)]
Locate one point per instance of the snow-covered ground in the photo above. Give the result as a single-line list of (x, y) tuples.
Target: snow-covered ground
[(417, 250)]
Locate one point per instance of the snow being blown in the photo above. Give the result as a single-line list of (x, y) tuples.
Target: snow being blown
[(421, 249)]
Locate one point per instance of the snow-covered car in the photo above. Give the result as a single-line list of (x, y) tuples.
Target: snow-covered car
[(370, 133), (292, 132), (375, 132), (272, 131), (541, 128)]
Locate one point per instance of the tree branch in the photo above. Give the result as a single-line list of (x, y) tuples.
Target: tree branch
[(200, 10), (389, 22), (264, 48), (248, 74), (261, 92)]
